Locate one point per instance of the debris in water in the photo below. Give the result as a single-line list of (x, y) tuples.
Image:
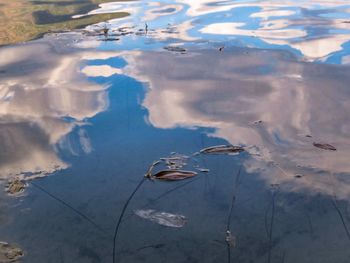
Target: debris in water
[(9, 253), (149, 172), (203, 170), (16, 186), (162, 218), (230, 239), (175, 162), (146, 28), (175, 49), (172, 175), (110, 39), (223, 149), (253, 150), (325, 146)]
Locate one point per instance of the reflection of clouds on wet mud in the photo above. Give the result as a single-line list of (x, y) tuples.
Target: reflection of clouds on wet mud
[(237, 88), (43, 98)]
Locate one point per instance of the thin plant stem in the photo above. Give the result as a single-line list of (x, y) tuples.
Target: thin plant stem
[(67, 205), (121, 217)]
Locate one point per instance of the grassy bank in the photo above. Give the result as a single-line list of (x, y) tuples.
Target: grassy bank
[(22, 20)]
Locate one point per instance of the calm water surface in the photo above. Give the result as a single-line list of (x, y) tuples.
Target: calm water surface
[(83, 115)]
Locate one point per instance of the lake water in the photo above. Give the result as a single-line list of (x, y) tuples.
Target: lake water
[(83, 115)]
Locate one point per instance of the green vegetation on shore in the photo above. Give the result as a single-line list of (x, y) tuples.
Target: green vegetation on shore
[(22, 20)]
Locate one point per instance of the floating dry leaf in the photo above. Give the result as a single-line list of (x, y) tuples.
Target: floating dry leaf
[(173, 175), (325, 146), (110, 39), (203, 170), (223, 149), (175, 49), (9, 253), (162, 218)]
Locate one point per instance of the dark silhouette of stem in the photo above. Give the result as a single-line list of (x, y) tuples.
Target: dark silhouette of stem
[(121, 216), (271, 227), (341, 217), (67, 205), (228, 226), (266, 224), (233, 198)]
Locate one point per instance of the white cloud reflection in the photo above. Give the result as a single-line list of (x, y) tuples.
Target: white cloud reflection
[(293, 99), (315, 28), (39, 89)]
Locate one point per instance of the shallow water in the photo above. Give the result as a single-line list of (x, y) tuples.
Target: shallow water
[(82, 119)]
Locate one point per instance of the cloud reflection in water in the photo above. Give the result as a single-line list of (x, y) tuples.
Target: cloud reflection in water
[(293, 99)]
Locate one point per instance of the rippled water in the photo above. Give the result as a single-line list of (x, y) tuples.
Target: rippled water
[(82, 119)]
